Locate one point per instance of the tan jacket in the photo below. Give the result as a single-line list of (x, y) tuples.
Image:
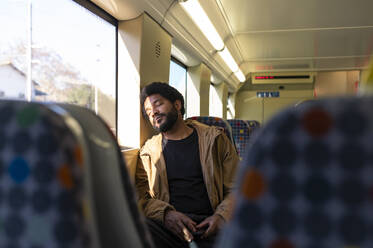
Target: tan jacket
[(219, 160)]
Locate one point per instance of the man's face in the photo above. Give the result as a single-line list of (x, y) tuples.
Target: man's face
[(161, 112)]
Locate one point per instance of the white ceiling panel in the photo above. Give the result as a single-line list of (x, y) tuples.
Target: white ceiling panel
[(271, 45), (299, 34), (344, 42), (320, 43), (341, 64), (256, 15)]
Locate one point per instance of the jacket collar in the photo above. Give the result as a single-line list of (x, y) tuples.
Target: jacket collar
[(206, 134)]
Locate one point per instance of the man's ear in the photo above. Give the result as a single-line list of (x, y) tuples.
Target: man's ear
[(177, 105)]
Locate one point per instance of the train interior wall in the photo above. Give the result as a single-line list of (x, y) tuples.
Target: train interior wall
[(250, 107)]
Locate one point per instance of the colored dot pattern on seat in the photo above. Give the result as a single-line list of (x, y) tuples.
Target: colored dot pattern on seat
[(28, 115), (19, 169), (317, 167), (242, 131), (317, 122), (64, 177), (78, 153), (253, 185), (40, 180)]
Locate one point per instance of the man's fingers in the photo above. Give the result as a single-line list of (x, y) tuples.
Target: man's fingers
[(203, 224), (185, 234), (189, 223), (192, 227)]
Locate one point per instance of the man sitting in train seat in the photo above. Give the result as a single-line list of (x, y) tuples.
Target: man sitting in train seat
[(185, 173)]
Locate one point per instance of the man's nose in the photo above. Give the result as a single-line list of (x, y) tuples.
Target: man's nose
[(154, 112)]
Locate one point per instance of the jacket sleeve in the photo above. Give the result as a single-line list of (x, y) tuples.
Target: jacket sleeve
[(228, 158), (152, 208)]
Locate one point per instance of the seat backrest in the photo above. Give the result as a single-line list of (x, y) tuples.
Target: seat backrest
[(117, 218), (241, 132), (215, 121), (63, 182), (42, 195), (307, 179), (253, 124)]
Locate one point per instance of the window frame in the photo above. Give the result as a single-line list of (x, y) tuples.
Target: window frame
[(97, 11)]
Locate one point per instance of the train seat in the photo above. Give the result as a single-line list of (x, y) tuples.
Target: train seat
[(116, 214), (41, 184), (50, 195), (253, 124), (241, 132), (215, 121), (307, 179)]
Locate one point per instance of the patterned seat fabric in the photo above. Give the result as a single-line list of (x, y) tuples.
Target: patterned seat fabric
[(253, 124), (215, 121), (41, 185), (241, 132), (307, 180)]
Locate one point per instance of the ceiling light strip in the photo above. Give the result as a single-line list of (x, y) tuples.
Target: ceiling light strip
[(199, 17)]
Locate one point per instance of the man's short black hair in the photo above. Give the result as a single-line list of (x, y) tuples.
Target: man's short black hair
[(165, 90)]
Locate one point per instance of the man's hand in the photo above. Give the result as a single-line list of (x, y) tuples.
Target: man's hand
[(179, 223), (212, 223)]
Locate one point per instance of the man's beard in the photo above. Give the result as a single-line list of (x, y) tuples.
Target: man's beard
[(170, 120)]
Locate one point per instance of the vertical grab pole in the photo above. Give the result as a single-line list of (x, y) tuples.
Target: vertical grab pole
[(29, 52)]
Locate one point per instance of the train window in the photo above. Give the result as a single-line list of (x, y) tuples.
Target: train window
[(230, 106), (178, 76), (73, 54), (215, 102)]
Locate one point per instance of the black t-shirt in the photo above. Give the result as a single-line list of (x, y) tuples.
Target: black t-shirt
[(188, 192)]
